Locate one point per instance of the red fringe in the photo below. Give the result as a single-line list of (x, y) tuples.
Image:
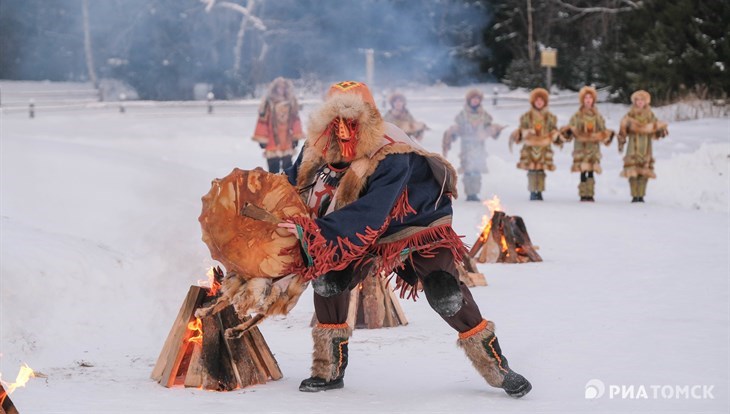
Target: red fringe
[(328, 256), (392, 255), (402, 208)]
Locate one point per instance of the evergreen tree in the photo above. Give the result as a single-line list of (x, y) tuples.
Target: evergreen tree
[(672, 49)]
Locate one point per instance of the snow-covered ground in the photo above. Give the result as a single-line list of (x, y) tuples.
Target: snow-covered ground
[(99, 242)]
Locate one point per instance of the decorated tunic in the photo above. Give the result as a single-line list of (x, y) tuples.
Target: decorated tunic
[(278, 127), (588, 128), (538, 130), (474, 127), (405, 121), (641, 126)]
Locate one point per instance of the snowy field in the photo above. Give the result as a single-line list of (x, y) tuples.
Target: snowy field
[(99, 242)]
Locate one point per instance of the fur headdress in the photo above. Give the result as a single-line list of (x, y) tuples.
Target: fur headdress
[(396, 96), (641, 94), (474, 93), (288, 88), (587, 90), (539, 93), (347, 126)]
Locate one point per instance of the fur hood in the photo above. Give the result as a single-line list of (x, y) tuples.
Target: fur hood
[(641, 94), (539, 93), (473, 93), (375, 140), (397, 96), (587, 90)]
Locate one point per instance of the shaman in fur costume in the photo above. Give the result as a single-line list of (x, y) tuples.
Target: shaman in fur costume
[(380, 203), (588, 128), (641, 127)]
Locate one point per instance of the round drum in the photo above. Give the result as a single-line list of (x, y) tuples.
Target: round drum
[(239, 222)]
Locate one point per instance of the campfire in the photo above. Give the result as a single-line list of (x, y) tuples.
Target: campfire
[(24, 375), (503, 238), (198, 354)]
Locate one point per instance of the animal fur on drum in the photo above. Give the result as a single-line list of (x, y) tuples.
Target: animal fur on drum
[(263, 296)]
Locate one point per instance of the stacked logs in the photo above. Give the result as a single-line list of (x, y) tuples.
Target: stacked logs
[(198, 354), (504, 240)]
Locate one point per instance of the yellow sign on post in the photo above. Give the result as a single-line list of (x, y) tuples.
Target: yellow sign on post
[(549, 58)]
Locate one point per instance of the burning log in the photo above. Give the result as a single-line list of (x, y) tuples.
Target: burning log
[(7, 406), (198, 353), (373, 305), (503, 239), (24, 375)]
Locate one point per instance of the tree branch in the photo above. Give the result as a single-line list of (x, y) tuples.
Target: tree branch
[(630, 6), (257, 23)]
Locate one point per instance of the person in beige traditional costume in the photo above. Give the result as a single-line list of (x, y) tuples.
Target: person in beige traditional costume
[(279, 129), (474, 125), (402, 118), (588, 128), (640, 127), (538, 130)]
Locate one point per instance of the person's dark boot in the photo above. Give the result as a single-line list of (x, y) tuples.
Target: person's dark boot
[(634, 199), (539, 195), (329, 358), (472, 197), (533, 196), (639, 199), (482, 348)]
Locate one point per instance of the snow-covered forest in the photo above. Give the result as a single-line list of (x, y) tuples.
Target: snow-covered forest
[(162, 48)]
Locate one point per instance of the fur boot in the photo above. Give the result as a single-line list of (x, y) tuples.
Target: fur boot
[(541, 181), (482, 348), (532, 185), (329, 358), (634, 185), (642, 181)]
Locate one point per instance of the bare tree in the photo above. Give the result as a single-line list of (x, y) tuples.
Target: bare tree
[(582, 11), (530, 45), (87, 44), (247, 18)]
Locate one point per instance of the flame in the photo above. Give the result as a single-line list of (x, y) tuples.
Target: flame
[(24, 375), (492, 205), (197, 327), (211, 283), (504, 244)]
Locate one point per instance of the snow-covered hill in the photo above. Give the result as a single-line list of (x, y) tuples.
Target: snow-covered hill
[(99, 241)]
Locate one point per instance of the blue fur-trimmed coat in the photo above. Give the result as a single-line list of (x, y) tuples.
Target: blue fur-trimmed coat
[(393, 200)]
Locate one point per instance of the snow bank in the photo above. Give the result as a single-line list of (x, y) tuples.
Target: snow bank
[(699, 180)]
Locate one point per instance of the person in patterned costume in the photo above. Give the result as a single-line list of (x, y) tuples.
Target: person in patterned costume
[(588, 128), (402, 118), (380, 204), (640, 127), (539, 131), (474, 125), (278, 129)]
